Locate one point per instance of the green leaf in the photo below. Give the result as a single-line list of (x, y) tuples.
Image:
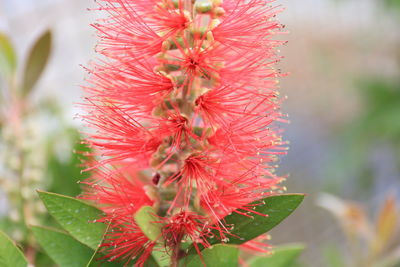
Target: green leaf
[(62, 248), (393, 4), (160, 257), (10, 255), (65, 174), (76, 217), (146, 220), (282, 257), (247, 228), (151, 262), (37, 60), (8, 58), (217, 255)]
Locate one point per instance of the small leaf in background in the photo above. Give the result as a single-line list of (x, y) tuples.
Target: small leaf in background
[(36, 62), (76, 217), (62, 248), (385, 226), (247, 228), (282, 257), (10, 255), (217, 255), (145, 219), (351, 216), (8, 58)]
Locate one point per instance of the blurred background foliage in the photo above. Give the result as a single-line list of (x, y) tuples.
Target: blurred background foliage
[(343, 58), (37, 145)]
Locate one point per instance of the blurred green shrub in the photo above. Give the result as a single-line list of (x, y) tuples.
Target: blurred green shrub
[(377, 125), (36, 145)]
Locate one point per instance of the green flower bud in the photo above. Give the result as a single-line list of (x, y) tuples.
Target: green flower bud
[(203, 6)]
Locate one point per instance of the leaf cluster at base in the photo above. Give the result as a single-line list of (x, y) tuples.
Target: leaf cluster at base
[(77, 244)]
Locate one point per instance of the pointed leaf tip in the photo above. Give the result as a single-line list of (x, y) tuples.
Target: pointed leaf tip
[(10, 254), (8, 58), (277, 208), (36, 62)]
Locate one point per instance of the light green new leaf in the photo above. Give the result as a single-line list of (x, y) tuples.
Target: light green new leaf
[(62, 248), (36, 62), (8, 58), (160, 257), (217, 255), (247, 228), (282, 257), (76, 217), (146, 220), (10, 255)]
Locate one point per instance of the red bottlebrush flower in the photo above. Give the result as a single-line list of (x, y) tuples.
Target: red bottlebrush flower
[(125, 241), (134, 86), (124, 32), (223, 105), (193, 63), (119, 197), (119, 137), (183, 106), (169, 21), (117, 194), (250, 19), (227, 199), (258, 245), (186, 227), (197, 170), (177, 126), (138, 27)]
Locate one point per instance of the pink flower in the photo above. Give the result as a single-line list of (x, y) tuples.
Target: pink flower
[(183, 109)]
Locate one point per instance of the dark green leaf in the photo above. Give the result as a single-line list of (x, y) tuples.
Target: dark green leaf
[(36, 62), (76, 217), (146, 220), (282, 257), (62, 248), (8, 59), (42, 259), (247, 228), (217, 255), (151, 262), (10, 255)]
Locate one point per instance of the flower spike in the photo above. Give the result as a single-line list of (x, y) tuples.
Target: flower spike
[(184, 112)]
